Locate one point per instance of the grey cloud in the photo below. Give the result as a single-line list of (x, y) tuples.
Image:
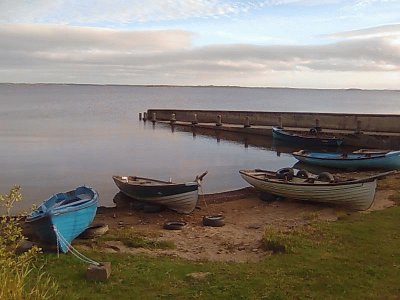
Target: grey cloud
[(62, 38), (384, 30), (77, 54)]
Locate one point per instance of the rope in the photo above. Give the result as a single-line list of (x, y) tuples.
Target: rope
[(202, 195), (73, 250), (58, 241)]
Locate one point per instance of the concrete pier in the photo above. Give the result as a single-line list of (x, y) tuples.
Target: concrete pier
[(361, 130)]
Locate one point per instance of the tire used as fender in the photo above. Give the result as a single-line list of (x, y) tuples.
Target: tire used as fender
[(285, 173), (303, 174), (326, 177)]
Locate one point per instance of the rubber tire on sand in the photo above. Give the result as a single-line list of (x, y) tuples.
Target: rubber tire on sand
[(214, 220), (174, 225)]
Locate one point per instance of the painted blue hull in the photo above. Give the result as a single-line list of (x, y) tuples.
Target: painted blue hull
[(69, 213), (389, 160), (298, 139)]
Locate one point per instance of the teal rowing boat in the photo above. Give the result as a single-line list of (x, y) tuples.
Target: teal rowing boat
[(361, 159), (64, 216)]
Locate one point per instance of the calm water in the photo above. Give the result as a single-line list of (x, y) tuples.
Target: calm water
[(56, 137)]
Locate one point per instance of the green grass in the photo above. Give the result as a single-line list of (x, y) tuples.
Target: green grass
[(357, 257), (134, 239)]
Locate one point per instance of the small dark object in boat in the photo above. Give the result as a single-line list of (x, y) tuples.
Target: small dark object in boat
[(285, 173), (313, 131), (214, 220), (327, 177), (94, 231), (174, 225), (303, 174)]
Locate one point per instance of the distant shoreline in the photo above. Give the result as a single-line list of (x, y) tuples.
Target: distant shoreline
[(195, 86)]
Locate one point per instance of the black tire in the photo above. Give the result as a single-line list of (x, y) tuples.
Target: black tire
[(93, 231), (285, 173), (326, 177), (303, 174), (313, 131), (214, 220), (174, 225)]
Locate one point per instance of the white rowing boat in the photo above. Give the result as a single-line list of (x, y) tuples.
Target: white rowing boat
[(354, 193)]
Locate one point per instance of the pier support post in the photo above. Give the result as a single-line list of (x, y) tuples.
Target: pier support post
[(144, 116), (195, 121), (358, 129), (173, 118), (317, 125), (154, 119), (280, 122), (140, 116), (246, 122), (219, 120)]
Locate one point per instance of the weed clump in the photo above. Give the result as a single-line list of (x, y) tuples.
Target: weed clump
[(276, 241), (20, 278)]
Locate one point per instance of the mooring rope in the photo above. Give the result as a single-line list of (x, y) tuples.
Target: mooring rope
[(71, 248), (202, 195)]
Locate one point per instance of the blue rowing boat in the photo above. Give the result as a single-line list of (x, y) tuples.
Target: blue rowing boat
[(361, 159), (312, 138), (64, 216)]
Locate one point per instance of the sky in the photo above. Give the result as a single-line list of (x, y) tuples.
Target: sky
[(267, 43)]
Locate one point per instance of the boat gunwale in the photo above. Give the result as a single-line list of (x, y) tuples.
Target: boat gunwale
[(162, 183), (54, 211), (344, 159)]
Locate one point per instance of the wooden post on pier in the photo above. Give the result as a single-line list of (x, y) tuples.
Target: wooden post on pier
[(140, 116), (358, 129), (154, 119), (246, 122), (195, 121), (219, 120), (280, 122), (173, 118), (145, 116), (317, 125)]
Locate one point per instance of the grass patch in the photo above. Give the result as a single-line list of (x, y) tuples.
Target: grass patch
[(134, 239), (391, 182), (354, 258), (395, 197)]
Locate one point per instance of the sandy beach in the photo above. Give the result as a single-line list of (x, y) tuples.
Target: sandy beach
[(246, 217)]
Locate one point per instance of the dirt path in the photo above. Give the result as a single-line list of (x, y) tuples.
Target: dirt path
[(246, 217)]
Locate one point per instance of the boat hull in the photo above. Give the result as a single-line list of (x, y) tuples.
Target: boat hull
[(69, 222), (390, 160), (181, 198), (357, 195), (298, 139)]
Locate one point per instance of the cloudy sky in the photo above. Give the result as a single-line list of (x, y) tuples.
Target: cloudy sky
[(267, 43)]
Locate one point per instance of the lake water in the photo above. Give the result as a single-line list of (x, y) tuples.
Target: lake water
[(56, 137)]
